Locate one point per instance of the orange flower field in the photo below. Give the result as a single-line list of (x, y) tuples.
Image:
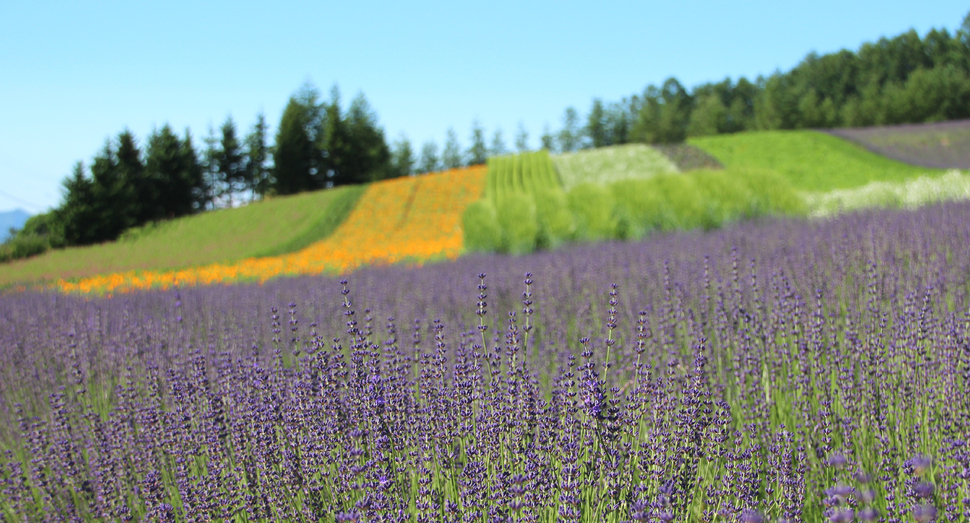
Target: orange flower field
[(411, 219)]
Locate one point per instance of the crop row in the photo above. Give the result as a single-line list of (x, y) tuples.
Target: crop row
[(520, 173), (612, 164), (625, 209)]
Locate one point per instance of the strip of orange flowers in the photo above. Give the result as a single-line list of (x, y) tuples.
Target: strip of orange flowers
[(413, 219)]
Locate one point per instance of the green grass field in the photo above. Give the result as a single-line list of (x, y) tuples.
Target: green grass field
[(266, 228), (811, 161)]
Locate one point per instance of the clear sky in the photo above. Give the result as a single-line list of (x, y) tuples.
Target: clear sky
[(73, 74)]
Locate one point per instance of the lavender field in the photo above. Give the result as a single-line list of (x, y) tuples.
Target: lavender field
[(941, 145), (776, 371)]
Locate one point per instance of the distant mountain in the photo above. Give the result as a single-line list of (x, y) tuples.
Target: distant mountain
[(15, 218)]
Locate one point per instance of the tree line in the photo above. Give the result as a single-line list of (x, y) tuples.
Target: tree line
[(903, 79), (317, 145)]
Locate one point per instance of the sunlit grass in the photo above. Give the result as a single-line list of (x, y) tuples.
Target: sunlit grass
[(810, 160)]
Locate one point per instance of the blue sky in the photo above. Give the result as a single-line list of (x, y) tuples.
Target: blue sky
[(75, 73)]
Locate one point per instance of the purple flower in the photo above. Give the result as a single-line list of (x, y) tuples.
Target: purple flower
[(923, 489), (868, 514), (924, 513)]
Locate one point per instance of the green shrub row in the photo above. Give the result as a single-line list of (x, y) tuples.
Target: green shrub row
[(524, 207), (521, 222), (23, 246)]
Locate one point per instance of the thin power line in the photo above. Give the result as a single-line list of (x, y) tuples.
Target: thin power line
[(22, 202)]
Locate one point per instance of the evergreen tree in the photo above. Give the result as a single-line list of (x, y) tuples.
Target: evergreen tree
[(402, 163), (429, 161), (75, 220), (570, 135), (193, 175), (775, 108), (521, 139), (547, 141), (498, 144), (596, 128), (136, 189), (210, 170), (646, 127), (740, 111), (335, 144), (370, 157), (294, 154), (110, 200), (477, 153), (173, 168), (708, 117), (257, 157), (451, 156), (231, 163), (675, 113), (618, 121)]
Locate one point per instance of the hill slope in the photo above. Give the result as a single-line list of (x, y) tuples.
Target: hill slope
[(404, 219), (810, 160), (269, 227)]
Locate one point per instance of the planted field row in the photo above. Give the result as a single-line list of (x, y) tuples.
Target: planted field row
[(626, 209), (794, 371), (612, 164), (941, 145), (413, 219), (910, 194), (809, 160), (520, 173)]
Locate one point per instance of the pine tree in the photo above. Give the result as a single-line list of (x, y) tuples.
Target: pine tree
[(257, 156), (522, 139), (370, 157), (231, 163), (335, 144), (210, 171), (193, 175), (619, 117), (75, 219), (569, 136), (429, 161), (402, 163), (548, 142), (136, 190), (451, 156), (477, 153), (708, 117), (596, 125), (173, 167), (498, 144), (294, 153)]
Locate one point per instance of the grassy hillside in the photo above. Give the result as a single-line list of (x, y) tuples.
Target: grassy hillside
[(811, 161), (269, 227), (404, 219)]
